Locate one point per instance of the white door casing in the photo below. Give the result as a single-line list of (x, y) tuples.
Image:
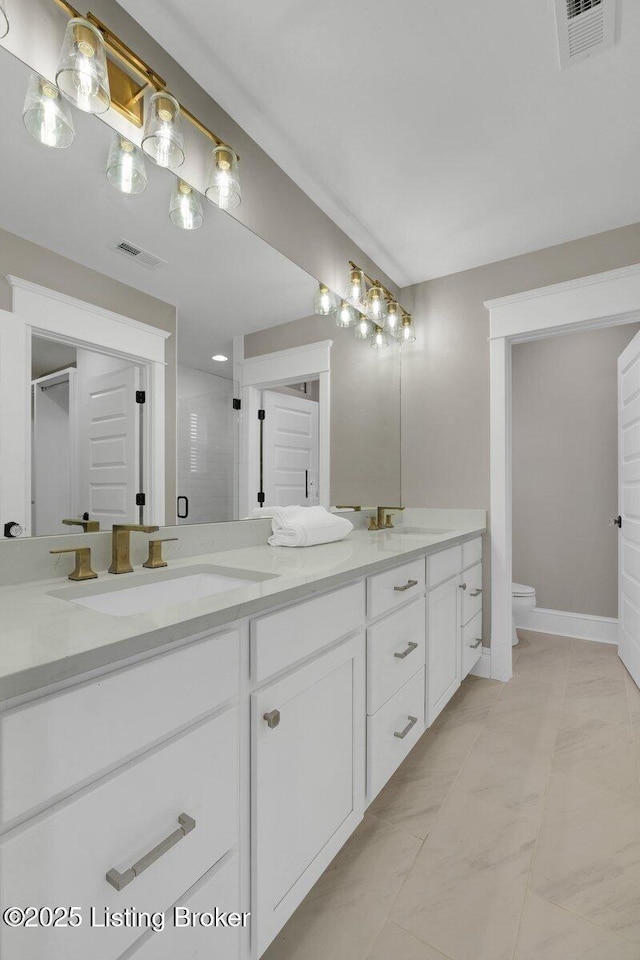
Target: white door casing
[(629, 507), (109, 446), (289, 450)]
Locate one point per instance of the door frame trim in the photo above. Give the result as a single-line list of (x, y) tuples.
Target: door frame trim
[(40, 310), (312, 361), (600, 300)]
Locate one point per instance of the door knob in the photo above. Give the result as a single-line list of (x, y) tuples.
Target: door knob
[(615, 521), (272, 718)]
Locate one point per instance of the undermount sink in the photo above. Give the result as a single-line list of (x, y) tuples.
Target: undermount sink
[(423, 531), (164, 590)]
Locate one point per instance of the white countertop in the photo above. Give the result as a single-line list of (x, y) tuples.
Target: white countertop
[(45, 638)]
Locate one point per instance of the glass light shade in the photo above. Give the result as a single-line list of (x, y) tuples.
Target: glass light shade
[(185, 209), (357, 287), (223, 181), (363, 328), (345, 315), (4, 20), (379, 338), (376, 304), (163, 139), (46, 115), (82, 68), (393, 321), (407, 333), (324, 303), (126, 169)]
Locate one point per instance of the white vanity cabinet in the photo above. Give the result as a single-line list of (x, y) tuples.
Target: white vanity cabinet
[(307, 747)]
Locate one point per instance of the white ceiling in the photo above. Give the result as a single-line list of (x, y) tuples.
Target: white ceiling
[(438, 135), (223, 279)]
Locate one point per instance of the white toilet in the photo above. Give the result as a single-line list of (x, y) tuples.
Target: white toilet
[(523, 598)]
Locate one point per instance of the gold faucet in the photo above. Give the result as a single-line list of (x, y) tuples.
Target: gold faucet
[(121, 545), (82, 569), (88, 526), (380, 522)]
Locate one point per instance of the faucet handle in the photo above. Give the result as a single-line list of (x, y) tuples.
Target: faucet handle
[(82, 569), (155, 558), (89, 526)]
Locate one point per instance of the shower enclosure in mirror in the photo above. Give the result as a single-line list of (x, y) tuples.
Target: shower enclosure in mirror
[(103, 298)]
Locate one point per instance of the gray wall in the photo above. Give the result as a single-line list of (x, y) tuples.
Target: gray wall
[(445, 375), (565, 469), (365, 408), (20, 258)]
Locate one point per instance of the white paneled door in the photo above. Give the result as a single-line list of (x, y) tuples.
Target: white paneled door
[(629, 507), (289, 450), (109, 446)]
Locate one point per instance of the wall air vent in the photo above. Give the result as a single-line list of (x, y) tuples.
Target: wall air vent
[(143, 257), (585, 27)]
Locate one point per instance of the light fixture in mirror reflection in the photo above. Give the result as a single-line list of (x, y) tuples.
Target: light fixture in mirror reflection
[(185, 209), (225, 283), (46, 115), (126, 170)]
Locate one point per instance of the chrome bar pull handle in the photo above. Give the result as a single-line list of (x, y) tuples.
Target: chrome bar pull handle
[(405, 653), (121, 880), (406, 586), (409, 726), (474, 646), (272, 718), (475, 593)]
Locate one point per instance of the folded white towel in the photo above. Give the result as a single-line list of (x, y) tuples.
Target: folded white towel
[(306, 527)]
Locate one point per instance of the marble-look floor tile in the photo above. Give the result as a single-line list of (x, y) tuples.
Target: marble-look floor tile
[(393, 943), (509, 766), (465, 891), (417, 790), (588, 855), (594, 659), (471, 702), (548, 932), (530, 704), (633, 699), (598, 752), (598, 696), (343, 913), (546, 662)]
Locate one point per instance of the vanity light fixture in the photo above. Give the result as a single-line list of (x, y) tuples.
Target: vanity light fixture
[(185, 208), (126, 170), (363, 328), (47, 115), (407, 333), (345, 315), (4, 20), (379, 338), (82, 67), (219, 357), (223, 182), (324, 303), (376, 304), (163, 139), (357, 286), (393, 320)]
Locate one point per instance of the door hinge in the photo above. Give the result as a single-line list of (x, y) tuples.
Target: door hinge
[(261, 498), (141, 396), (141, 500), (237, 404), (262, 415)]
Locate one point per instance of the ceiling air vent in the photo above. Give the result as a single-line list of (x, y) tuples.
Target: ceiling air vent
[(584, 27), (143, 257)]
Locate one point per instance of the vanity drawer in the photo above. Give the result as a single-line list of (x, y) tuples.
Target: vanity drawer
[(471, 552), (385, 749), (280, 639), (395, 650), (219, 888), (472, 595), (441, 566), (395, 587), (63, 857), (69, 737), (471, 649)]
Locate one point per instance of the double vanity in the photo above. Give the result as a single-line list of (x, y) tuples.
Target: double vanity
[(209, 735)]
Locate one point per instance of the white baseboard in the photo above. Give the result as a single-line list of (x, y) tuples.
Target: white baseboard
[(483, 666), (562, 624)]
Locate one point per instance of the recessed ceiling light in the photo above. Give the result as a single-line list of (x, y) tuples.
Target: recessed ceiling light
[(220, 357)]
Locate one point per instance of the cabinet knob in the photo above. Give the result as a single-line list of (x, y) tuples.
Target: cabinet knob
[(272, 718)]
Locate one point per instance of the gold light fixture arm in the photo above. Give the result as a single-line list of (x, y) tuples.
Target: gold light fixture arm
[(372, 282)]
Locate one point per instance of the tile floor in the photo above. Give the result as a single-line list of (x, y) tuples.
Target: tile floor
[(511, 832)]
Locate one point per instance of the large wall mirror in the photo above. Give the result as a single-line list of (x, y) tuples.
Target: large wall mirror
[(76, 257)]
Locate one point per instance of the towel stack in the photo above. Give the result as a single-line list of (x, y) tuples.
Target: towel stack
[(306, 527)]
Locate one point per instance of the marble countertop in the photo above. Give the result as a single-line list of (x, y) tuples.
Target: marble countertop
[(44, 638)]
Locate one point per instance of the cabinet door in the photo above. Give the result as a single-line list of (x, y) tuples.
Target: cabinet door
[(307, 779), (443, 646)]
